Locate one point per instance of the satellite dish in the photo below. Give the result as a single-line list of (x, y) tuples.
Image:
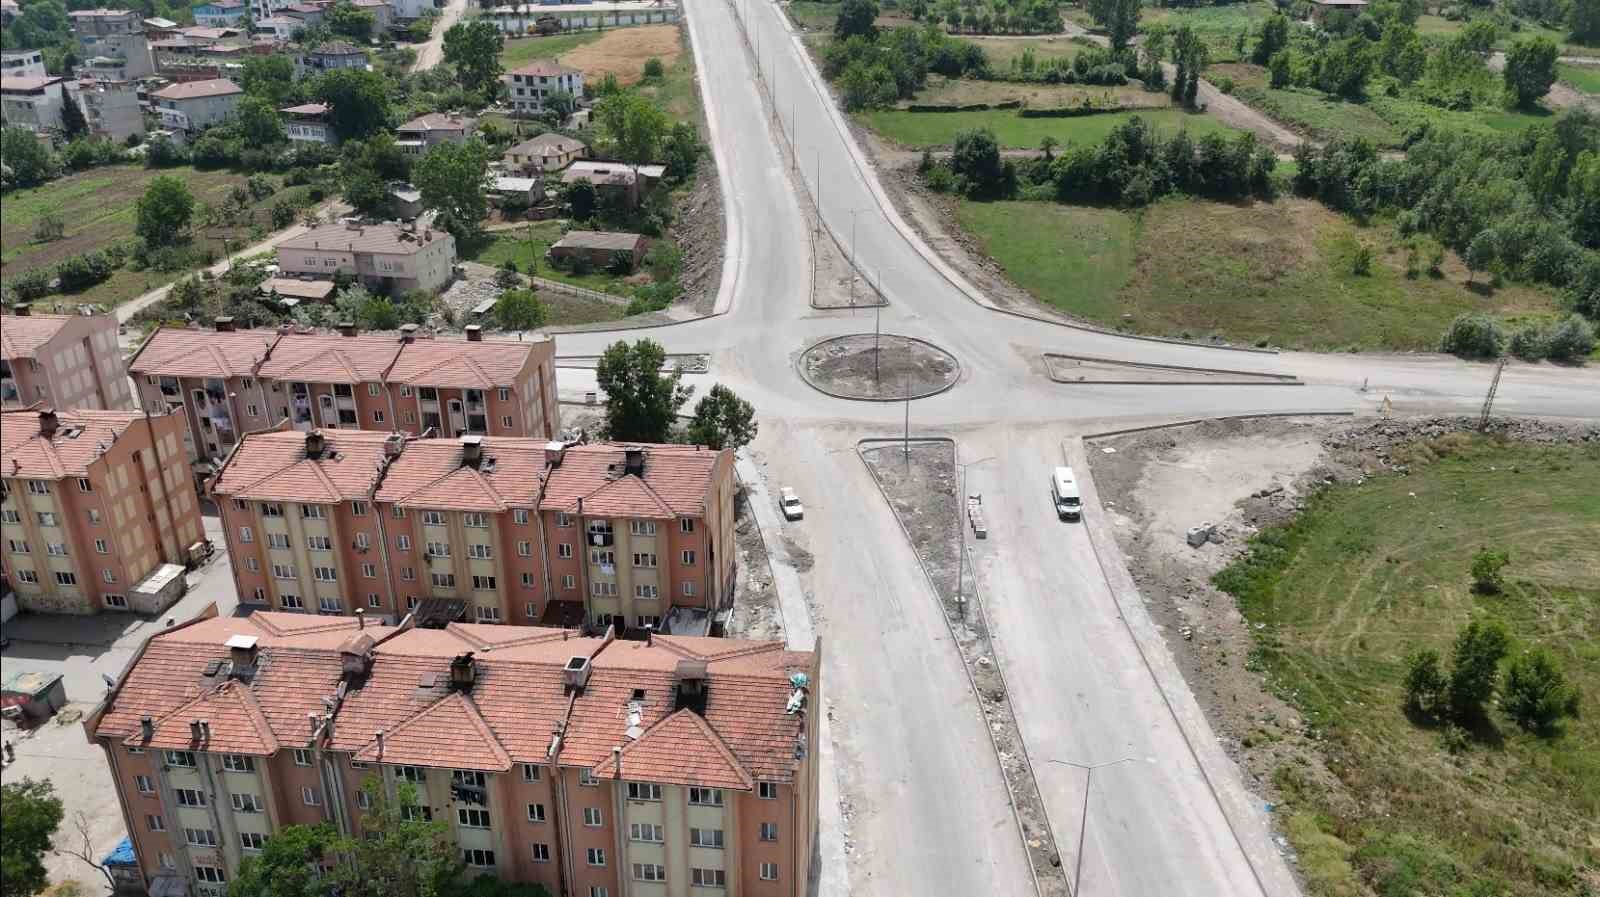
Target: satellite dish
[(110, 682)]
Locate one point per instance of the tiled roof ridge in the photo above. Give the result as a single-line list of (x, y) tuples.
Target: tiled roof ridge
[(533, 638), (608, 484), (479, 724), (227, 689), (258, 718), (676, 647), (608, 766)]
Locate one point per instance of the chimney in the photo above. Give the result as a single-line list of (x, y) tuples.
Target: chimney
[(554, 452), (576, 673), (633, 463), (474, 333), (242, 651), (471, 450), (361, 618), (22, 309), (408, 333), (393, 444), (315, 443), (355, 655), (48, 423), (347, 328), (616, 760), (147, 727), (463, 671), (225, 324), (195, 731), (689, 681)]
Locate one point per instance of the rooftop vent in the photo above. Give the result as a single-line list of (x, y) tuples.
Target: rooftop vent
[(242, 649), (474, 333), (22, 309), (690, 684), (315, 443), (554, 452), (48, 423), (471, 450), (463, 671), (224, 324), (347, 328), (393, 444), (355, 655), (633, 462), (408, 333), (147, 727), (576, 673)]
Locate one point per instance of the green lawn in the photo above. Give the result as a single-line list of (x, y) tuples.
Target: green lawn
[(1584, 77), (1002, 50), (523, 50), (1218, 26), (814, 16), (517, 247), (1276, 273), (924, 129), (1374, 570)]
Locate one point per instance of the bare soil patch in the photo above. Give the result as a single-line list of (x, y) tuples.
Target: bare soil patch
[(755, 598), (922, 489), (623, 51), (961, 91), (887, 367)]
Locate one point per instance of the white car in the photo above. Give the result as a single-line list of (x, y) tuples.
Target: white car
[(792, 509)]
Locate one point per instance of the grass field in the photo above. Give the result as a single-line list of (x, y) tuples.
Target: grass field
[(523, 50), (97, 209), (1218, 26), (1271, 273), (621, 52), (924, 129), (1584, 77), (960, 92), (1372, 571), (1002, 50), (516, 246)]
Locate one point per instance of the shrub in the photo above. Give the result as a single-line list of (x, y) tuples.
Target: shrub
[(940, 179), (259, 187), (29, 285), (620, 263), (80, 272), (1528, 343), (161, 152), (1361, 261), (507, 278), (1474, 668), (582, 265), (48, 229), (1225, 84), (283, 213), (1536, 694), (1425, 683), (1473, 336), (1486, 567), (654, 69), (1570, 340)]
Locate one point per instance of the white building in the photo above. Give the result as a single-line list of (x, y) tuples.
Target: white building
[(196, 105), (110, 107), (32, 102), (524, 19), (530, 85), (327, 57), (220, 13), (308, 123), (411, 9), (383, 256), (22, 63), (278, 28)]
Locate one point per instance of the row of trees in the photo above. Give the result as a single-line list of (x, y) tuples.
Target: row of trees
[(642, 402), (874, 69), (1534, 691)]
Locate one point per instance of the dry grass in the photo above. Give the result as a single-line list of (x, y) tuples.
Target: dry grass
[(623, 51), (963, 92)]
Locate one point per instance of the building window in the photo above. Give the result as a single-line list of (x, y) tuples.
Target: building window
[(487, 614), (472, 818), (313, 512), (480, 552), (644, 559), (245, 535), (330, 604), (310, 796), (438, 549), (27, 576), (108, 576), (283, 571), (598, 891), (94, 517), (767, 790), (405, 392), (200, 837), (252, 410), (238, 763), (472, 777), (525, 549), (569, 582), (706, 837), (529, 610), (369, 571), (505, 421), (519, 516), (478, 857), (210, 874), (408, 574), (476, 519), (46, 518), (646, 832), (433, 518), (592, 817), (541, 852), (706, 797), (319, 543), (291, 602), (642, 527), (563, 520), (180, 759), (688, 558), (373, 600), (536, 812), (645, 590), (649, 872), (413, 774), (17, 546), (644, 791), (56, 549), (564, 550), (302, 757), (144, 785), (358, 509), (708, 878), (686, 525), (66, 579), (271, 509), (10, 516), (444, 580), (399, 513), (603, 589), (247, 803), (278, 540), (84, 485), (363, 800), (769, 831), (483, 584), (597, 856), (252, 840), (373, 389), (769, 871), (402, 542), (100, 547), (240, 505), (38, 487), (688, 590), (413, 814), (259, 595), (505, 394), (156, 823)]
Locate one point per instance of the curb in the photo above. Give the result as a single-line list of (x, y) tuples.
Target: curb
[(1200, 420), (972, 684), (822, 342), (1252, 378)]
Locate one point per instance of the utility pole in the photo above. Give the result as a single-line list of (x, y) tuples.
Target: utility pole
[(1083, 821), (876, 330), (1488, 400), (961, 571), (908, 422)]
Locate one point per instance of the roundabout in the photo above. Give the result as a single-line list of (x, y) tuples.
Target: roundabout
[(885, 367)]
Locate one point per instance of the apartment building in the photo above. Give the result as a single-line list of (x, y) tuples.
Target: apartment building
[(92, 503), (32, 101), (387, 257), (23, 63), (110, 107), (515, 530), (193, 106), (64, 361), (679, 767), (531, 85), (237, 381)]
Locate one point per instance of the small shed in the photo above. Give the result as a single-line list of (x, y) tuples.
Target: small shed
[(599, 247), (123, 865), (32, 697), (158, 591)]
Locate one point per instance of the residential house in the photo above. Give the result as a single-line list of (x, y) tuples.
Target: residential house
[(382, 13), (408, 10), (291, 291), (425, 132), (22, 63), (209, 34), (193, 106), (278, 28), (156, 28), (63, 361), (116, 35), (629, 182), (525, 18), (599, 247), (405, 201), (307, 13), (547, 152), (90, 26), (530, 85), (32, 101), (110, 107), (308, 123), (327, 56), (587, 766), (514, 193), (383, 256), (93, 503), (215, 13), (238, 381)]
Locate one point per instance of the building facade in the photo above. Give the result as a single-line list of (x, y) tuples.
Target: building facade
[(308, 123), (93, 502), (32, 102), (24, 63), (328, 56), (63, 361), (387, 257), (193, 106), (110, 107), (545, 153), (232, 382), (678, 767), (220, 13), (425, 132), (532, 84)]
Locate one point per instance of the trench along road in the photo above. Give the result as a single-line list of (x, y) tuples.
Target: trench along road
[(929, 808)]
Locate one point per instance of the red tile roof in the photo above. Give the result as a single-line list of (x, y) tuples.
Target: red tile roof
[(178, 352), (233, 718), (81, 437), (677, 481), (463, 364), (430, 474), (448, 733), (680, 750), (330, 358), (273, 467), (21, 336)]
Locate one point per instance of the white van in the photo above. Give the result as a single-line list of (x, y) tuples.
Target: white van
[(1064, 491)]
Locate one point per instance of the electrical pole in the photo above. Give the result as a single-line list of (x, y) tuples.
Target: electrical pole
[(1083, 820), (908, 422), (876, 329)]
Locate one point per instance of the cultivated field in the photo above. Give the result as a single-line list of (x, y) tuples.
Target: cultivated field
[(1277, 273), (962, 92), (930, 129), (621, 52), (1373, 570)]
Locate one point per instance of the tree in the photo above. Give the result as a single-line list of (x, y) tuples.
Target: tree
[(641, 402), (1120, 19), (1571, 339), (581, 199), (1425, 683), (632, 126), (288, 865), (654, 69), (1536, 694), (473, 47), (1486, 567), (975, 157), (30, 813), (1189, 56), (49, 228), (1273, 39), (1401, 53), (360, 101), (346, 20), (1473, 335), (73, 124), (399, 855), (722, 420), (856, 17), (161, 152), (1279, 72), (1530, 69), (520, 310), (1583, 18), (365, 169), (681, 150), (1474, 667), (560, 102), (270, 77), (29, 160), (450, 178), (258, 122), (163, 212)]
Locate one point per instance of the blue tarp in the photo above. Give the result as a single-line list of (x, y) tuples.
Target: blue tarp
[(121, 855)]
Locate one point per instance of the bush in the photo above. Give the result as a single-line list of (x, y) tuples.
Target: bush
[(1474, 668), (29, 285), (582, 265), (80, 272), (1425, 683), (1570, 340), (507, 278), (49, 229), (1536, 695), (1528, 343), (1486, 567), (259, 187), (161, 152), (940, 179), (283, 213), (1473, 336), (1361, 261), (653, 68)]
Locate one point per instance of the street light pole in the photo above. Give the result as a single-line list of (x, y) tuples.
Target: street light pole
[(877, 323), (961, 571), (1083, 821)]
